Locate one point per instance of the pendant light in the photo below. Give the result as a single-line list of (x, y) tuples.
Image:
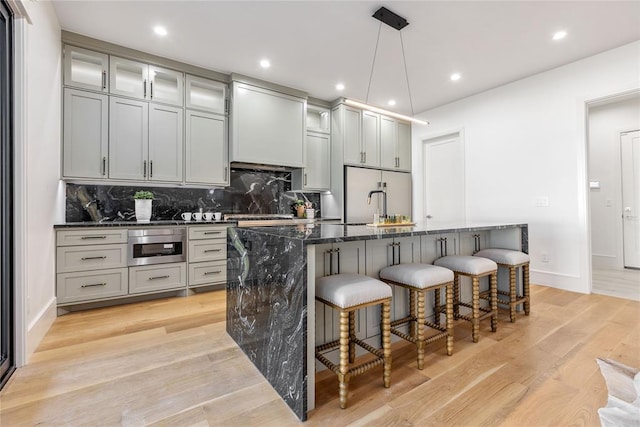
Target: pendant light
[(397, 22)]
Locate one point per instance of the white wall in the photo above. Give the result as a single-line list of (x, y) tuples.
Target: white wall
[(40, 168), (526, 140), (605, 124)]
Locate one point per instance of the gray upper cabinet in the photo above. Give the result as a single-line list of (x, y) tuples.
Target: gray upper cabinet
[(207, 161), (141, 81), (85, 134), (395, 144), (166, 86), (267, 126), (86, 69), (371, 138), (318, 119), (347, 126), (165, 143), (145, 141), (317, 173), (206, 95), (128, 78), (128, 139)]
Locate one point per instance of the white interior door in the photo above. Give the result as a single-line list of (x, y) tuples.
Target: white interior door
[(444, 179), (630, 156)]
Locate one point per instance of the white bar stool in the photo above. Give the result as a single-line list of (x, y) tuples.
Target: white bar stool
[(348, 293), (420, 279), (512, 260), (475, 268)]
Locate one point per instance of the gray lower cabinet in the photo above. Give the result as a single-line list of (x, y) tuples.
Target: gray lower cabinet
[(91, 264), (85, 134), (91, 285), (159, 277), (207, 160), (207, 255)]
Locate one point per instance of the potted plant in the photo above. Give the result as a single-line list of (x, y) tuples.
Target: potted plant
[(143, 201), (299, 206)]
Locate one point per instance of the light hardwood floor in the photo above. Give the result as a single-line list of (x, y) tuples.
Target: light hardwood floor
[(623, 283), (170, 363)]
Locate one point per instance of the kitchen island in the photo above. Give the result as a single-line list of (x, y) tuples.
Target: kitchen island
[(271, 271)]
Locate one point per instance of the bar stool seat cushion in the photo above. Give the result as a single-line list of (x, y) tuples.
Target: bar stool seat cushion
[(504, 256), (420, 276), (467, 264), (349, 290)]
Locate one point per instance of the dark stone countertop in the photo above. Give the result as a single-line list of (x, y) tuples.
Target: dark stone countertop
[(135, 224), (313, 234)]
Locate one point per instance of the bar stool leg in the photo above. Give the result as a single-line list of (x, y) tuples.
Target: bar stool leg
[(420, 322), (436, 307), (343, 374), (513, 295), (456, 296), (386, 343), (449, 317), (475, 304), (494, 301), (525, 290), (414, 324), (352, 334)]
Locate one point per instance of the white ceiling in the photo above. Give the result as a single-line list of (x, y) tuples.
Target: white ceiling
[(313, 45)]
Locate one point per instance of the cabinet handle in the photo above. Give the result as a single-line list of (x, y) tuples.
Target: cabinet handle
[(87, 258), (93, 284), (144, 169), (226, 171), (151, 169), (92, 237), (104, 79), (151, 86), (159, 277), (104, 166), (144, 95), (212, 232), (211, 250), (305, 179), (212, 272), (365, 157)]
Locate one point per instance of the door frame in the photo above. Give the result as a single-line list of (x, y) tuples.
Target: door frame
[(419, 184), (584, 105)]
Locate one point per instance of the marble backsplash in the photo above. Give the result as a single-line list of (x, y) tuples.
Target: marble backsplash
[(250, 191)]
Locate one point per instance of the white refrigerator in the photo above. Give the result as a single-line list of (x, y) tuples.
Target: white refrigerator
[(360, 181)]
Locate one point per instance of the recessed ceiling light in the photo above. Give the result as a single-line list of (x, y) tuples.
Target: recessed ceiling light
[(340, 86), (160, 30), (265, 63), (455, 77), (391, 102), (559, 35)]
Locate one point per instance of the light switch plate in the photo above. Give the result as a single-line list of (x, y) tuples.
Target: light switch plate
[(542, 201)]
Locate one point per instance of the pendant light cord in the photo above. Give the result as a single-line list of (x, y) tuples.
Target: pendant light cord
[(375, 53), (406, 74)]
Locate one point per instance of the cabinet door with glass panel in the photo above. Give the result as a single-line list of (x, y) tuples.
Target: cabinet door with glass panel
[(147, 82), (86, 69), (205, 95)]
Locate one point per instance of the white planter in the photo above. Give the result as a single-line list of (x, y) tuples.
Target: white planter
[(143, 210)]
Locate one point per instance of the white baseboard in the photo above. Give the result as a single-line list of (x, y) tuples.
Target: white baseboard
[(565, 282), (40, 326)]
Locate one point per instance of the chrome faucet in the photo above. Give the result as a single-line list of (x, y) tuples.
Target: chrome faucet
[(384, 200)]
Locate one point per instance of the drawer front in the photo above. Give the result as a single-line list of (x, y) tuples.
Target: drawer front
[(153, 278), (102, 236), (207, 250), (207, 273), (94, 285), (207, 232), (84, 258)]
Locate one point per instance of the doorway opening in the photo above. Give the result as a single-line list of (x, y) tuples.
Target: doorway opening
[(444, 178), (614, 183)]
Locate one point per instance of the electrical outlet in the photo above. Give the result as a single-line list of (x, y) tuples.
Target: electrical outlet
[(542, 201), (544, 257)]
